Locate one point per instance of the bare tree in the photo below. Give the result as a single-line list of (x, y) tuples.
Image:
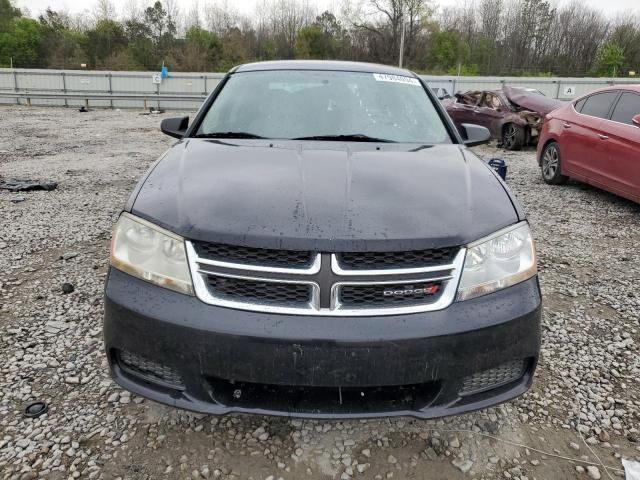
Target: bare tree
[(132, 11), (192, 18), (105, 10), (220, 17)]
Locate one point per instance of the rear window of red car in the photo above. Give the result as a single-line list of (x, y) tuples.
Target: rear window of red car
[(627, 107)]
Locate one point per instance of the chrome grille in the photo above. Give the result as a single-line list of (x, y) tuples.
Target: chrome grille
[(253, 256), (324, 286), (395, 294), (255, 291), (409, 259)]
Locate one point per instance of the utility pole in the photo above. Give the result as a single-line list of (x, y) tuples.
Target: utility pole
[(401, 41)]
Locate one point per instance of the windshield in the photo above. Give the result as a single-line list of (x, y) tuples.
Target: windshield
[(288, 104)]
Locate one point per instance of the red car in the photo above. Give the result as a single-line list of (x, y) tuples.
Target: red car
[(596, 140)]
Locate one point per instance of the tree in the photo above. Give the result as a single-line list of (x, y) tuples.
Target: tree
[(7, 15), (22, 44), (311, 43), (609, 59), (626, 34), (162, 28), (489, 37), (105, 40), (448, 49), (61, 45), (201, 51), (159, 22)]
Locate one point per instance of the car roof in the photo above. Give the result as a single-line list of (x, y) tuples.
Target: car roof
[(326, 65), (620, 86)]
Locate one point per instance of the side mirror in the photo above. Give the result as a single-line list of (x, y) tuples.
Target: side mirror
[(636, 120), (474, 134), (175, 127)]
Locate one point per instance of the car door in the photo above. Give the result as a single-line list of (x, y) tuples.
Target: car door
[(461, 112), (621, 171), (489, 113), (584, 140)]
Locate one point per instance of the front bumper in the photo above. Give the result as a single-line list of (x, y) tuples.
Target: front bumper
[(319, 367)]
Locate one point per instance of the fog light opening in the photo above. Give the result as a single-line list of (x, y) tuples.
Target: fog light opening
[(486, 380), (149, 371)]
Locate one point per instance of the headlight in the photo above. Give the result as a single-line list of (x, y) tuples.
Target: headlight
[(498, 261), (151, 253)]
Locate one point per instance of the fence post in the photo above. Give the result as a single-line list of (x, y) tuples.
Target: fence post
[(15, 85), (110, 90), (64, 88), (558, 89), (204, 77), (453, 87)]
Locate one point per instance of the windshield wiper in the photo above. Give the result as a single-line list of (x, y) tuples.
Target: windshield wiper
[(354, 137), (227, 135)]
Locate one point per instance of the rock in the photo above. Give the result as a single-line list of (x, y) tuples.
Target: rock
[(574, 446), (454, 442), (462, 464), (593, 472), (486, 425), (430, 453), (591, 441), (366, 452), (392, 460), (23, 443), (67, 288)]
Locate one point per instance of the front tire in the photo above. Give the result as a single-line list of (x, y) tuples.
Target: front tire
[(550, 165), (513, 136)]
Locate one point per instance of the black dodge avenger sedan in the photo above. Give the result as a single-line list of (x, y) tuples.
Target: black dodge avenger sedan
[(321, 242)]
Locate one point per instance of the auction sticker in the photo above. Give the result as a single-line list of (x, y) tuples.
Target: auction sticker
[(385, 77)]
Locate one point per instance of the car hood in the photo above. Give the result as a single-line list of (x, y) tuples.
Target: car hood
[(531, 101), (324, 196)]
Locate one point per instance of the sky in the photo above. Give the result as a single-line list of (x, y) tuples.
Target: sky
[(246, 6)]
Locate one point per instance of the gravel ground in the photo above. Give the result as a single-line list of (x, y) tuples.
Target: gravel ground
[(584, 405)]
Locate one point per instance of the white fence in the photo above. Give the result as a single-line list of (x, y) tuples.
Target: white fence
[(187, 90)]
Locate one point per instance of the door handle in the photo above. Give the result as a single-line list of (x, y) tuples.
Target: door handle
[(602, 137), (567, 125)]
